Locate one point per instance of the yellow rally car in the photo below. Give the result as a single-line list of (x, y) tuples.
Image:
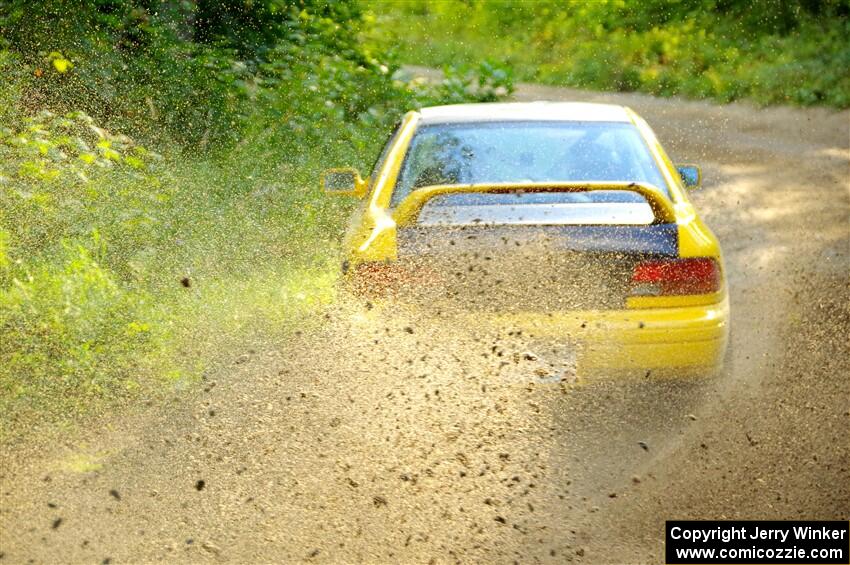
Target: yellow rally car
[(566, 221)]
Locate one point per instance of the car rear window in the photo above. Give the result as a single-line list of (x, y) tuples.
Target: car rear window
[(496, 152)]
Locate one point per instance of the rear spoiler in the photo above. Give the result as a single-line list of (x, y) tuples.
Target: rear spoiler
[(407, 212)]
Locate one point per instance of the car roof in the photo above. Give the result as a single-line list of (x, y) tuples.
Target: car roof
[(525, 111)]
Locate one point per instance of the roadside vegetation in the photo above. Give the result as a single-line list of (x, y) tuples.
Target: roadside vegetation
[(768, 51), (159, 201)]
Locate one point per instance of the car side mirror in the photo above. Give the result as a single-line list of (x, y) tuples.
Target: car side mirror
[(344, 182), (691, 175)]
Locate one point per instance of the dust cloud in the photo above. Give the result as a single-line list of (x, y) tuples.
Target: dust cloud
[(395, 433)]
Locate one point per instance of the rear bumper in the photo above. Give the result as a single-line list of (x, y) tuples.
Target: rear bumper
[(650, 338), (705, 355)]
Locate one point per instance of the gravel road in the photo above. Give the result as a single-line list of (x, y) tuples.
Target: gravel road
[(388, 437)]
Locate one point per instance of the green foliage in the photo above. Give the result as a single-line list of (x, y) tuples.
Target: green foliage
[(68, 333), (764, 50), (58, 172), (196, 70), (204, 73), (488, 82), (70, 328)]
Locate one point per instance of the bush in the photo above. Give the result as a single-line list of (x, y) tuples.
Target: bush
[(770, 52), (69, 335), (70, 327)]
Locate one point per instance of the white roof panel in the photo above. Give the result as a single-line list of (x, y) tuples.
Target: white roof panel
[(525, 111)]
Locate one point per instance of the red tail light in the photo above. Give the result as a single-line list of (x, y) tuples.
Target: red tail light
[(699, 275)]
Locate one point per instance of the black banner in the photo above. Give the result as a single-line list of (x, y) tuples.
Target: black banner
[(694, 542)]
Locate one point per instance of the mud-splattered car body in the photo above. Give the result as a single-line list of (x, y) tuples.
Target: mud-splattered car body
[(633, 276)]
